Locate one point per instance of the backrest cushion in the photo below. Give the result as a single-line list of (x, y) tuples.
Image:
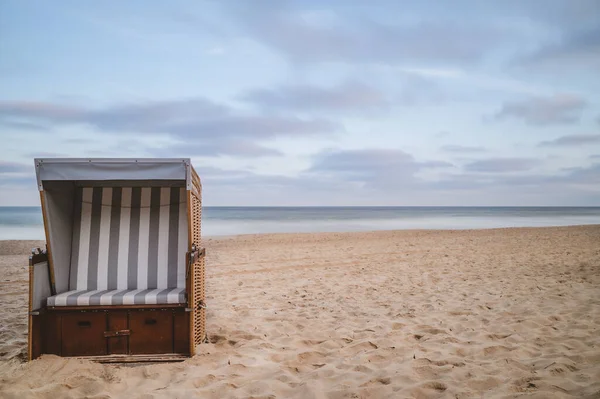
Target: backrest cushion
[(129, 238)]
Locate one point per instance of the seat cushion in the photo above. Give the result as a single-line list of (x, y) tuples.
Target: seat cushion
[(159, 296)]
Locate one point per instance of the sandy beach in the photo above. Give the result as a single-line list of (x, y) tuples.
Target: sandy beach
[(399, 314)]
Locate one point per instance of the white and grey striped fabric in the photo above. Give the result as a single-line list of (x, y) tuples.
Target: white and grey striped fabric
[(129, 243), (118, 297)]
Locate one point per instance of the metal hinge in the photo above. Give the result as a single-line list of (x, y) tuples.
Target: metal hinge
[(119, 333)]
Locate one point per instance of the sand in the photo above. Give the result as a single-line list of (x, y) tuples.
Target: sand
[(426, 314)]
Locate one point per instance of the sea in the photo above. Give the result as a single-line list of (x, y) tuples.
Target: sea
[(25, 223)]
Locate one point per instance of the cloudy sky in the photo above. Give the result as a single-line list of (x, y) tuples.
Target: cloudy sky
[(307, 103)]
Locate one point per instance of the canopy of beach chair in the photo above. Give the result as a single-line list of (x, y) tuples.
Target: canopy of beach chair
[(86, 169)]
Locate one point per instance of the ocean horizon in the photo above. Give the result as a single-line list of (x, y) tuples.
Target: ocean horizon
[(25, 223)]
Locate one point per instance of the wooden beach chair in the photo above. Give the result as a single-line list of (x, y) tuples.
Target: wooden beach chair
[(122, 275)]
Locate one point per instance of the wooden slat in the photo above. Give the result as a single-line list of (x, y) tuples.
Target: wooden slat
[(34, 338), (48, 247), (118, 322), (83, 334), (30, 333), (151, 332), (181, 335), (166, 357), (52, 334)]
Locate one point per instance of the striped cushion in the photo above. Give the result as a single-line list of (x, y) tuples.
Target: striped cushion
[(118, 297), (129, 238)]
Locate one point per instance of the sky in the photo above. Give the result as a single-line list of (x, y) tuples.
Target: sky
[(308, 103)]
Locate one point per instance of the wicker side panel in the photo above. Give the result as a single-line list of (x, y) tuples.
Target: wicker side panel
[(198, 274)]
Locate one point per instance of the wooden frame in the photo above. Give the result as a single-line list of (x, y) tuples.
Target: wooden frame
[(48, 246), (163, 332), (196, 274), (34, 336)]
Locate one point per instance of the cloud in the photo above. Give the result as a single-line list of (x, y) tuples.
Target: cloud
[(559, 109), (572, 140), (566, 15), (14, 167), (14, 174), (45, 154), (579, 49), (348, 96), (435, 164), (568, 181), (340, 35), (239, 148), (364, 162), (382, 168), (20, 125), (389, 177), (584, 175), (17, 181), (197, 123), (462, 149), (502, 165)]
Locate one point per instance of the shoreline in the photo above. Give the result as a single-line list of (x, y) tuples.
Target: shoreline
[(229, 236), (287, 233)]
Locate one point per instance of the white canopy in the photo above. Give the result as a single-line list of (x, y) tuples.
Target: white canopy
[(76, 169)]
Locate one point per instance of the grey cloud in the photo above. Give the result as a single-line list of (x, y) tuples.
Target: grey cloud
[(16, 174), (365, 162), (579, 49), (14, 167), (581, 176), (17, 181), (333, 177), (418, 90), (502, 165), (22, 125), (463, 149), (564, 14), (198, 123), (435, 164), (346, 96), (357, 38), (45, 154), (572, 140), (255, 127), (381, 168), (543, 111), (595, 156), (240, 148), (349, 96), (569, 179)]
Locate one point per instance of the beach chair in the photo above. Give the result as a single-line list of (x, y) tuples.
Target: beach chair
[(122, 275)]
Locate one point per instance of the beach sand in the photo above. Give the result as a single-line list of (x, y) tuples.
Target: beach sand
[(425, 314)]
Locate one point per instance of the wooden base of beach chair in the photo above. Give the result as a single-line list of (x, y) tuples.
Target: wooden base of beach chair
[(115, 333), (167, 357)]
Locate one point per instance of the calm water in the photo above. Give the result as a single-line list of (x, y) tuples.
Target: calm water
[(26, 222)]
